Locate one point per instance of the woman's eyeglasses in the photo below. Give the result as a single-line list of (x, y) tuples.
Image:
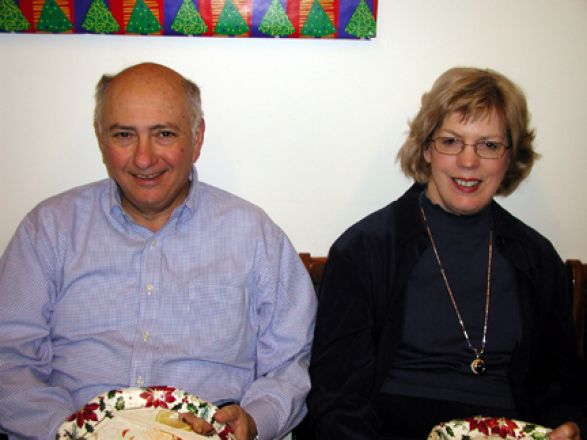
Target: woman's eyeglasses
[(485, 149)]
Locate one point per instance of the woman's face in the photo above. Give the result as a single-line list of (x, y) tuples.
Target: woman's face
[(465, 183)]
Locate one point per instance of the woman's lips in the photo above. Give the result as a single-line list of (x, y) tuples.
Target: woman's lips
[(466, 185)]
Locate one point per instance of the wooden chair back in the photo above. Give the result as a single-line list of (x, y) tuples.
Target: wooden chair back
[(314, 266), (577, 273)]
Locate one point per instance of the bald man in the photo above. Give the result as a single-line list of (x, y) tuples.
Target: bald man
[(152, 278)]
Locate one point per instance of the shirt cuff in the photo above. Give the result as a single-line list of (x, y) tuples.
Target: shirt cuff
[(57, 425), (265, 419)]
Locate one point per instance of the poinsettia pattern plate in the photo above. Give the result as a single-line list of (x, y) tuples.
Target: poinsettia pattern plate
[(488, 428), (86, 423)]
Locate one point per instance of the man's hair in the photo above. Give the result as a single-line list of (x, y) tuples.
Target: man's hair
[(192, 94), (474, 93)]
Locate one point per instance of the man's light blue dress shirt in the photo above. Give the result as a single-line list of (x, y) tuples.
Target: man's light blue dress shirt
[(216, 303)]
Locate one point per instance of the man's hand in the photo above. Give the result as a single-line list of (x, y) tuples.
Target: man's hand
[(566, 431), (199, 426), (242, 423)]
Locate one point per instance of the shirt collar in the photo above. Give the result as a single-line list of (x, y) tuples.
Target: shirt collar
[(180, 215), (190, 200)]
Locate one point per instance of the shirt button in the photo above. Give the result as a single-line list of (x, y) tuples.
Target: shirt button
[(153, 243), (150, 288), (146, 336)]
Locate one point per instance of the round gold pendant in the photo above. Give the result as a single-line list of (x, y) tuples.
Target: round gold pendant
[(478, 366)]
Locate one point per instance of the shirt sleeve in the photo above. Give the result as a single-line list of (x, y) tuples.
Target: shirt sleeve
[(284, 310), (29, 406)]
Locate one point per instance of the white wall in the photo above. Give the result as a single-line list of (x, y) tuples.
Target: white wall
[(309, 129)]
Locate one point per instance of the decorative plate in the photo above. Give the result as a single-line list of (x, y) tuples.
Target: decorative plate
[(488, 428), (141, 414)]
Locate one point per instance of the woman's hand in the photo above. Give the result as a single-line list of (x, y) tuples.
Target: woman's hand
[(566, 431)]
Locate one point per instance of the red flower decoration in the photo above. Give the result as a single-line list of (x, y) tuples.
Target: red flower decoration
[(497, 426), (482, 427), (158, 397), (86, 413), (225, 433), (511, 424)]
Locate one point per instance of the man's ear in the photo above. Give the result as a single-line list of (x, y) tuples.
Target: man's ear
[(98, 134), (199, 140)]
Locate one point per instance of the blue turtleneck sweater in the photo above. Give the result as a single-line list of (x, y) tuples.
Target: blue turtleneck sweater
[(433, 361)]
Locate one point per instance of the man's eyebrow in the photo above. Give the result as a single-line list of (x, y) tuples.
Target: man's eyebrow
[(163, 126), (169, 125), (117, 126)]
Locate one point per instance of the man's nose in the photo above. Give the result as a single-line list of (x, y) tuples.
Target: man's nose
[(144, 155)]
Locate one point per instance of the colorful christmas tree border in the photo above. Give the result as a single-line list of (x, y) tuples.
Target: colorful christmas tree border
[(343, 19)]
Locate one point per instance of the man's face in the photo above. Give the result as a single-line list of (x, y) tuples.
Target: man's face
[(147, 141)]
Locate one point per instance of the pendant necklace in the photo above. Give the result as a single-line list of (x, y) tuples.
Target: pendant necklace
[(477, 365)]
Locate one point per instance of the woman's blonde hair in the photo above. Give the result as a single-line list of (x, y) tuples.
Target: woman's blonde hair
[(474, 93)]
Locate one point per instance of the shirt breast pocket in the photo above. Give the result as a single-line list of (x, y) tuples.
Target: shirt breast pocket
[(218, 320)]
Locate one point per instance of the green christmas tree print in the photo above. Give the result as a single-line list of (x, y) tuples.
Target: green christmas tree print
[(142, 21), (276, 22), (99, 19), (53, 19), (362, 22), (11, 18), (231, 21), (318, 24), (188, 20)]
